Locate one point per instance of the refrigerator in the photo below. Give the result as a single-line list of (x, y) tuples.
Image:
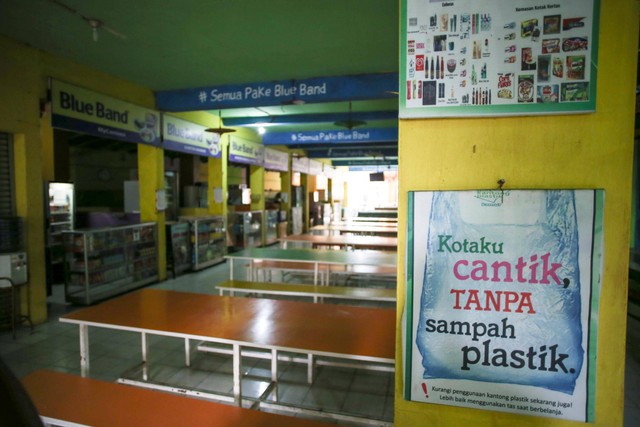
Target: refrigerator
[(59, 217)]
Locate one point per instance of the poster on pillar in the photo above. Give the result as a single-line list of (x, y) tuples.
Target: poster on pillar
[(501, 57), (503, 291)]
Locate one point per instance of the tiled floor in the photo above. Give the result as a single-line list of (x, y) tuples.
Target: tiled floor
[(369, 394)]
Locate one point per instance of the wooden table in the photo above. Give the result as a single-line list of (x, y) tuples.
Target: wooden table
[(69, 400), (345, 332), (316, 257), (356, 242), (373, 230)]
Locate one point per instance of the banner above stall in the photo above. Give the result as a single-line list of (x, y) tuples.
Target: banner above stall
[(503, 291), (500, 57), (300, 164), (331, 136), (80, 110), (276, 160), (186, 137), (323, 89), (247, 152), (315, 167)]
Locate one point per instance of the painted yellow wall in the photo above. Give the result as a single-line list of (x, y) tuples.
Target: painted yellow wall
[(23, 85), (575, 151)]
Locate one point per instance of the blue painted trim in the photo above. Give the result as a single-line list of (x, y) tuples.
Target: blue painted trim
[(368, 162), (336, 153), (312, 118), (108, 132), (331, 136), (261, 94), (189, 149)]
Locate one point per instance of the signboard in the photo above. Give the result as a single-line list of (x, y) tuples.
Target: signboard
[(328, 171), (502, 300), (331, 136), (315, 167), (324, 89), (500, 57), (246, 152), (276, 160), (80, 110), (300, 164), (181, 135)]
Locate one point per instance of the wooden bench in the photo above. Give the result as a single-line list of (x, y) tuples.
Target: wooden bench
[(64, 399), (311, 291), (362, 271), (266, 267)]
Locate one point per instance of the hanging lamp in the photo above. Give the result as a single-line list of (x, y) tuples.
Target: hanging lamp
[(349, 123), (220, 130)]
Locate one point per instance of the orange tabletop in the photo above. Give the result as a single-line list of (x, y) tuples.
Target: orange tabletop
[(84, 401), (352, 332)]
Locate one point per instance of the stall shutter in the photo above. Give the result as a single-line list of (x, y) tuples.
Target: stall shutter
[(7, 205)]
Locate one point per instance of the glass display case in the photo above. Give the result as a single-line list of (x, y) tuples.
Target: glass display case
[(208, 240), (59, 217), (271, 227), (179, 247), (245, 229), (101, 263)]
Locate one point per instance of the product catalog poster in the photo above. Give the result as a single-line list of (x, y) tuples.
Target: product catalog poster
[(498, 57), (503, 290)]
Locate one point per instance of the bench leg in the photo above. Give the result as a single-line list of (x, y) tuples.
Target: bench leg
[(274, 365), (84, 349), (237, 380), (145, 347), (310, 368), (187, 352)]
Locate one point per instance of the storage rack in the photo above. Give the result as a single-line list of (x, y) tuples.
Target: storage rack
[(208, 240), (101, 263)]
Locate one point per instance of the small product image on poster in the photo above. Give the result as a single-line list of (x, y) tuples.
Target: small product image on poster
[(525, 88), (544, 64), (502, 300), (551, 24), (469, 47), (548, 93), (574, 92), (575, 67), (528, 62)]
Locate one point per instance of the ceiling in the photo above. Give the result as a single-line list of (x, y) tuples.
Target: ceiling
[(187, 44)]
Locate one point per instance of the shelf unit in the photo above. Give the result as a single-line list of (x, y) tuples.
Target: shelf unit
[(271, 227), (101, 263), (208, 240), (245, 229), (59, 217), (179, 257)]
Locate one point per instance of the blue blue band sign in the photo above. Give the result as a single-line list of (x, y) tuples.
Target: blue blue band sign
[(181, 135), (276, 160), (325, 89), (331, 136), (81, 110), (246, 152)]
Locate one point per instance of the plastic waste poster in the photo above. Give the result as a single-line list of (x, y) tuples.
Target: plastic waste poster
[(502, 300)]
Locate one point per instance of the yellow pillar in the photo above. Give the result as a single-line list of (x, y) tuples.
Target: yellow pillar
[(151, 179)]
